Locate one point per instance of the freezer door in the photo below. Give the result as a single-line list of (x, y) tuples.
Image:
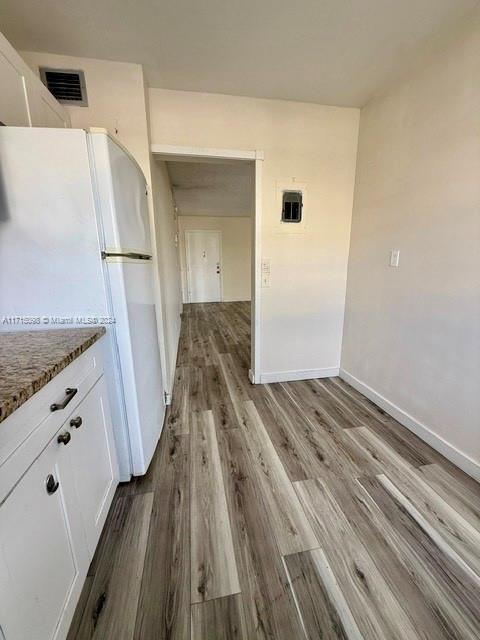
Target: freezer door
[(121, 196), (137, 340), (50, 264)]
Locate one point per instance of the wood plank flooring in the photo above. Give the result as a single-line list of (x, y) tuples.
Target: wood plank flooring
[(285, 511)]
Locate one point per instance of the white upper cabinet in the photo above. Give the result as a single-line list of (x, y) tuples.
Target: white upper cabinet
[(45, 111), (24, 99), (13, 96)]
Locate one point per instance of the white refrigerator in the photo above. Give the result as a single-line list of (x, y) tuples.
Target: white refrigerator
[(75, 250)]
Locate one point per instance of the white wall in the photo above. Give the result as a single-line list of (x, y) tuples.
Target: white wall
[(236, 252), (116, 99), (166, 231), (302, 311), (412, 334)]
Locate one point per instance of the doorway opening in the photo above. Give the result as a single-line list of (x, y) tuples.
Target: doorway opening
[(217, 198)]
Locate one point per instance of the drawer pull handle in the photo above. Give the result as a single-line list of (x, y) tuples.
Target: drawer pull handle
[(51, 484), (69, 393), (76, 422), (64, 438)]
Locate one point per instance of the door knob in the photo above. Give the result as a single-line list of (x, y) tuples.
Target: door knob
[(64, 438), (51, 484), (76, 422)]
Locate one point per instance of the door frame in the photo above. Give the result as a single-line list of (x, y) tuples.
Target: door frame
[(219, 235), (175, 152)]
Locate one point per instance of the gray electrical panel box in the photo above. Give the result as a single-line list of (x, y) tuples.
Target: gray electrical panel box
[(292, 204)]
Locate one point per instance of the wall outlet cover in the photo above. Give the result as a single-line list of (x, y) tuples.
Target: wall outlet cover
[(394, 258)]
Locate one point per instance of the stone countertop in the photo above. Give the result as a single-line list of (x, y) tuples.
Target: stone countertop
[(30, 359)]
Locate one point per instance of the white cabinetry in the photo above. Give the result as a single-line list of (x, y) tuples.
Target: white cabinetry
[(92, 463), (42, 550), (24, 99), (55, 491), (13, 97), (45, 111)]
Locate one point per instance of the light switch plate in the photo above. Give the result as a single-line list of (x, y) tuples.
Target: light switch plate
[(394, 258)]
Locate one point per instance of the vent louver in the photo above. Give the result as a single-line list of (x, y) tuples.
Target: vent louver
[(66, 85)]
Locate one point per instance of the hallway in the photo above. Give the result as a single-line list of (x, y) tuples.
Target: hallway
[(283, 511)]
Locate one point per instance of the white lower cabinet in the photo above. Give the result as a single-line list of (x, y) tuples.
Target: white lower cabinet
[(93, 465), (43, 550), (51, 520)]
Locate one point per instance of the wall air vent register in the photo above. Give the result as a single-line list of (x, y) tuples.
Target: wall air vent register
[(66, 85)]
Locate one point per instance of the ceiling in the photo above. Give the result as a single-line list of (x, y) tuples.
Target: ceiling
[(212, 188), (336, 52)]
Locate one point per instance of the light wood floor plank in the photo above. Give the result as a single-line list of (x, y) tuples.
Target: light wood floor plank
[(405, 443), (197, 399), (321, 608), (165, 593), (381, 457), (334, 453), (374, 607), (453, 597), (221, 618), (461, 498), (269, 607), (219, 399), (320, 400), (288, 521), (347, 458), (111, 607), (177, 416), (455, 538), (364, 515), (458, 533), (237, 388), (398, 436), (214, 570), (370, 406), (292, 436)]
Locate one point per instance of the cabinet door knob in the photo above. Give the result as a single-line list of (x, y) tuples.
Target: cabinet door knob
[(51, 484), (76, 422), (64, 438)]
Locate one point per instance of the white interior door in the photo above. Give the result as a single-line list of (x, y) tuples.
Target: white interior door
[(204, 265)]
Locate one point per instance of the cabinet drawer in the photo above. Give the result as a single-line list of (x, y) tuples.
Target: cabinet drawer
[(29, 429)]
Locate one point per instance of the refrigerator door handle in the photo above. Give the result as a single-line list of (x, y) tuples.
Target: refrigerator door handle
[(126, 254)]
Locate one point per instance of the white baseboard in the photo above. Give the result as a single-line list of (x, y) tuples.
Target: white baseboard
[(298, 374), (458, 458)]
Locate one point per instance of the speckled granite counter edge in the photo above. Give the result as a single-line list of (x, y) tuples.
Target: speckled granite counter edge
[(11, 404)]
